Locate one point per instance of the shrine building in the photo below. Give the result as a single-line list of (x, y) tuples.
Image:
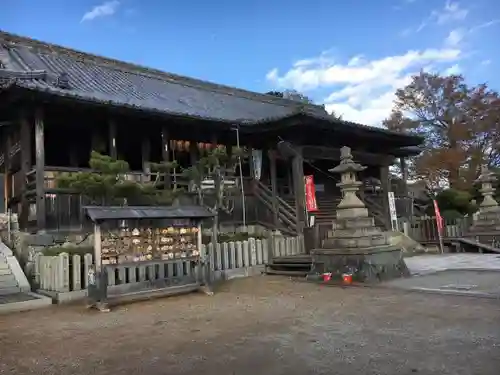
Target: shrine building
[(58, 104)]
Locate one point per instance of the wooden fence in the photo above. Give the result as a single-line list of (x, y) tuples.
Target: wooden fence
[(424, 229), (68, 273)]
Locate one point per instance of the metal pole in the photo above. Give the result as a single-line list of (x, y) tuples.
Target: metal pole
[(241, 179)]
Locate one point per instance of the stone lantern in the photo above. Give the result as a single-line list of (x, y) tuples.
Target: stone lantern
[(350, 205), (486, 225), (486, 179), (355, 242)]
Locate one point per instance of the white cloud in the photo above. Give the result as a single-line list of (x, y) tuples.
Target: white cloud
[(362, 90), (455, 37), (104, 10), (486, 62), (452, 70), (451, 12)]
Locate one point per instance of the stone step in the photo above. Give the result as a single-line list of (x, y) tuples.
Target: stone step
[(5, 271), (9, 290), (7, 281)]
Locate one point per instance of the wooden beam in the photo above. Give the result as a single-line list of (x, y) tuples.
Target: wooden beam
[(26, 143), (40, 170), (363, 157)]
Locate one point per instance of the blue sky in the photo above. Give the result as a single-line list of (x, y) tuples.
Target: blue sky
[(350, 55)]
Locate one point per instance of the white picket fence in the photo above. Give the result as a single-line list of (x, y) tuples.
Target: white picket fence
[(68, 273)]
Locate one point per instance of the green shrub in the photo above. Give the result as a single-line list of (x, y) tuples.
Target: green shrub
[(71, 250), (451, 216), (455, 200)]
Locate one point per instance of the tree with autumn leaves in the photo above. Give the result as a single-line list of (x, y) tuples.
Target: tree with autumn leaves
[(460, 125)]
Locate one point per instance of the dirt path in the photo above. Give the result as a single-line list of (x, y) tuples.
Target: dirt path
[(262, 326)]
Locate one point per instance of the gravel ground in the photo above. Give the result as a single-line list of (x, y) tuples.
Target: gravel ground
[(261, 325)]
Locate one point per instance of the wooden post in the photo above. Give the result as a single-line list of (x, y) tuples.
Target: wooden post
[(40, 170), (112, 139), (97, 142), (97, 247), (385, 185), (289, 178), (73, 157), (7, 167), (165, 140), (146, 158), (299, 189), (193, 153), (274, 186), (26, 129)]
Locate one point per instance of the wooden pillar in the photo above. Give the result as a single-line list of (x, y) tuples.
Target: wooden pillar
[(73, 157), (97, 142), (112, 139), (7, 166), (26, 139), (386, 187), (404, 174), (299, 189), (146, 156), (193, 153), (274, 185), (213, 140), (40, 170), (165, 141)]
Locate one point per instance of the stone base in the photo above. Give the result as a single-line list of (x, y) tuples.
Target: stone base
[(369, 265)]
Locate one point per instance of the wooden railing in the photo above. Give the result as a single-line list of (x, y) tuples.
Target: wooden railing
[(377, 210), (424, 229), (64, 207), (285, 213)]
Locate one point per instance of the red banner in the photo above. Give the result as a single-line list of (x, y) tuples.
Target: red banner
[(439, 218), (311, 204)]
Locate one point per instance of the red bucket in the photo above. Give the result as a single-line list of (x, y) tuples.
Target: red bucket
[(347, 278), (327, 277)]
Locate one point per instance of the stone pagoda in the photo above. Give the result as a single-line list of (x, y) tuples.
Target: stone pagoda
[(486, 226), (355, 243)]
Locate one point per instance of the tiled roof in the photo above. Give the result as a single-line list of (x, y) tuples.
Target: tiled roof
[(94, 78), (57, 70)]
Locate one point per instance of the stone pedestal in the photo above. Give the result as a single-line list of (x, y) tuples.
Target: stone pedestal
[(356, 245)]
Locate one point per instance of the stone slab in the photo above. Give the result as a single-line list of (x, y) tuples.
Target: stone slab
[(10, 290), (23, 302), (478, 283), (426, 264)]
